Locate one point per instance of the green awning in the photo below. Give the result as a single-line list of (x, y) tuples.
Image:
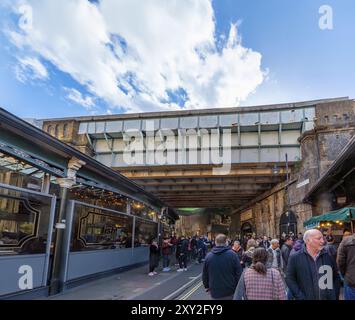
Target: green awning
[(341, 215)]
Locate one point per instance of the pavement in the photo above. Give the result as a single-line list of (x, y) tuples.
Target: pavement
[(136, 284)]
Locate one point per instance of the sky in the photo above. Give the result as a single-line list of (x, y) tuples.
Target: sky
[(79, 57)]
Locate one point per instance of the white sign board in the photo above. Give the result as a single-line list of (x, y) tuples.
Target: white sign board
[(303, 183)]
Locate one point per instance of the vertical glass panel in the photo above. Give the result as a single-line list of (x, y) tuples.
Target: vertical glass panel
[(91, 127), (227, 120), (310, 113), (169, 123), (24, 222), (145, 232), (132, 125), (188, 122), (247, 119), (294, 115), (269, 117), (208, 121), (97, 229), (83, 127), (113, 126), (150, 125), (100, 127)]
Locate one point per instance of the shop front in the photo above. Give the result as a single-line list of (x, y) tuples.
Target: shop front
[(65, 217)]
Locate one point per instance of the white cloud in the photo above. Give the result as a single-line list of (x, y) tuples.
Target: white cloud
[(29, 69), (133, 54), (76, 96)]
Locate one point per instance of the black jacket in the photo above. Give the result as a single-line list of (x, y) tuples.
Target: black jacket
[(303, 275), (182, 247), (264, 244), (221, 272)]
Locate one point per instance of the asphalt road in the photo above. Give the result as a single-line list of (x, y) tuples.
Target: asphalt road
[(173, 288)]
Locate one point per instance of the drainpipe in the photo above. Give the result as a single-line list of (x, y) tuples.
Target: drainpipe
[(59, 260)]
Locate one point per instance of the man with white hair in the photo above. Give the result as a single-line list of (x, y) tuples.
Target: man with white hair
[(274, 256), (311, 272)]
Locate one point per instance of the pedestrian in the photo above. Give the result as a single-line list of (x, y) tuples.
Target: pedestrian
[(247, 257), (286, 250), (237, 248), (182, 252), (275, 258), (200, 249), (311, 273), (153, 257), (259, 282), (346, 264), (331, 247), (221, 270), (297, 246), (265, 243), (166, 247)]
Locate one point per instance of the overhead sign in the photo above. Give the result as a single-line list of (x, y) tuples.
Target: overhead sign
[(303, 183)]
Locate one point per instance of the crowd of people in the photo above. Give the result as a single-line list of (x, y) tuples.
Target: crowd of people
[(179, 251), (306, 267)]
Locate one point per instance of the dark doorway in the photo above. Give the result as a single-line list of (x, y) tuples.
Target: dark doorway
[(288, 223), (246, 229)]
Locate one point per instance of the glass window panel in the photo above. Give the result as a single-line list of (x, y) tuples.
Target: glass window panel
[(24, 222), (188, 122), (247, 119), (150, 125), (208, 121), (83, 127), (145, 232), (113, 126), (227, 120), (98, 229), (294, 115), (270, 117), (169, 123), (310, 113), (132, 125), (91, 127), (100, 127)]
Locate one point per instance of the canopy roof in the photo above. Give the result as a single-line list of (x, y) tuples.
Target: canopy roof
[(343, 215)]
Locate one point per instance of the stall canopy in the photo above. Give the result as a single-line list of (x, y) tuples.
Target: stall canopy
[(342, 215)]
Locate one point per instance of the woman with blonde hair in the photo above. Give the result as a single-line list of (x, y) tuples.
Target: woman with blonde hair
[(260, 283)]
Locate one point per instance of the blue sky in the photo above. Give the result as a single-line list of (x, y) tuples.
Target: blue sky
[(80, 58)]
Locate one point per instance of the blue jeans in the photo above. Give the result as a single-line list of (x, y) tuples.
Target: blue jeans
[(166, 261), (349, 292)]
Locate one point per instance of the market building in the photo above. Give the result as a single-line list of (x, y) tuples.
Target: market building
[(65, 217)]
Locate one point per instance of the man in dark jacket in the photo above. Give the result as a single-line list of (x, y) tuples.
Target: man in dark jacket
[(221, 270), (181, 253), (346, 264), (311, 273), (265, 243), (286, 250)]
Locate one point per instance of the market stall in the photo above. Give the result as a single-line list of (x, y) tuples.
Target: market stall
[(335, 221)]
